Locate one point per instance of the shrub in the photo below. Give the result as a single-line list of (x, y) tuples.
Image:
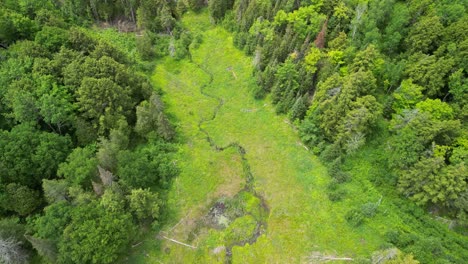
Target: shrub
[(331, 152), (337, 195), (337, 173), (369, 209), (399, 239), (258, 92), (334, 192), (354, 217), (342, 176)]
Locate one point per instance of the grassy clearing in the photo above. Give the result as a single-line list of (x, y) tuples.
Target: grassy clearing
[(292, 181)]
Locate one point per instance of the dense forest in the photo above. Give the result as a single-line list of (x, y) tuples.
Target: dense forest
[(345, 70), (87, 151)]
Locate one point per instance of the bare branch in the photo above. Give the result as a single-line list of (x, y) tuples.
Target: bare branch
[(178, 242), (106, 176), (11, 251), (320, 257)]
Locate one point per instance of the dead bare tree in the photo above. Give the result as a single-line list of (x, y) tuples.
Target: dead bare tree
[(11, 251), (360, 10), (175, 241), (320, 39), (106, 176), (97, 187)]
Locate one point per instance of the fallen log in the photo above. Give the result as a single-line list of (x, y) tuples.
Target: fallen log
[(178, 242)]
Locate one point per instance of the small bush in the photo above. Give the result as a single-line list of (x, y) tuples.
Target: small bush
[(197, 40), (331, 152), (342, 176), (144, 45), (239, 40), (258, 92), (337, 195), (427, 250), (369, 209), (399, 239), (337, 173), (354, 217), (334, 192)]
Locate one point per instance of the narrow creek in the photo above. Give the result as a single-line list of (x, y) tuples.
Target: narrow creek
[(261, 225)]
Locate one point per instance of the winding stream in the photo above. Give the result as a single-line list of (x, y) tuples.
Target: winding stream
[(249, 184)]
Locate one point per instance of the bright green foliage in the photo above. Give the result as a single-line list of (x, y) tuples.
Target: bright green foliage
[(377, 87), (305, 20), (80, 167), (459, 151), (312, 59), (56, 108), (291, 234), (113, 200), (336, 56), (52, 223), (437, 109), (148, 166), (406, 96), (95, 235), (144, 204)]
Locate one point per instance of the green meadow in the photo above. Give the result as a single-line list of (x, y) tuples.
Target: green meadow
[(301, 219)]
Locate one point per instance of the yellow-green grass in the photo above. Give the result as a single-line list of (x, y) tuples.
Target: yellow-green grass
[(293, 182)]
